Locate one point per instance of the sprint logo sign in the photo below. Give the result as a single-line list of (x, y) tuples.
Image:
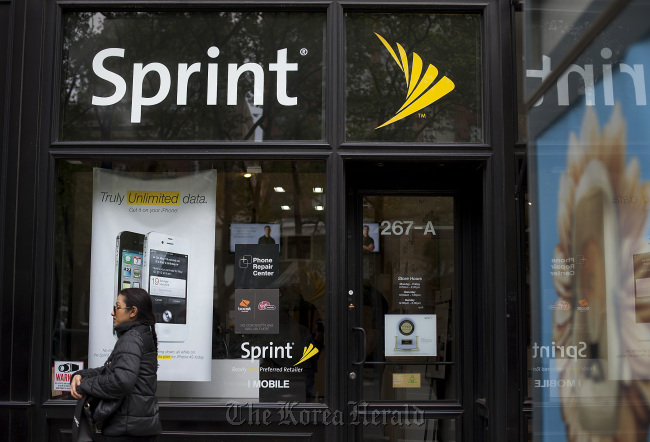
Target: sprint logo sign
[(307, 353), (421, 90), (272, 351)]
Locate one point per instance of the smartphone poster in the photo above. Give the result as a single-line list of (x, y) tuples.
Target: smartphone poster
[(589, 176), (156, 231)]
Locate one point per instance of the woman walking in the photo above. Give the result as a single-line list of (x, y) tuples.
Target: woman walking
[(128, 376)]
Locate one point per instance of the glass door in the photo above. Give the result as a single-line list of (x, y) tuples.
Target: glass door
[(409, 330)]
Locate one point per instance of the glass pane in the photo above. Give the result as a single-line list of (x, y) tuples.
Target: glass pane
[(553, 29), (550, 36), (250, 76), (589, 176), (254, 352), (408, 297), (414, 77)]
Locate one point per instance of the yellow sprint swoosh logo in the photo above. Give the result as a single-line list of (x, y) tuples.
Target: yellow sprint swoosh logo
[(307, 353), (419, 94)]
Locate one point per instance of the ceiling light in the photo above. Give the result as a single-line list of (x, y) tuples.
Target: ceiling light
[(318, 190), (320, 208), (285, 207), (279, 189), (248, 175)]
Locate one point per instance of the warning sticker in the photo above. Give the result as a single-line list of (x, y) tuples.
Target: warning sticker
[(63, 371)]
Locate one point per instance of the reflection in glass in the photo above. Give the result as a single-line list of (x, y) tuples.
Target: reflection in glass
[(241, 202), (408, 298), (551, 24), (381, 85), (553, 29), (589, 178), (249, 76)]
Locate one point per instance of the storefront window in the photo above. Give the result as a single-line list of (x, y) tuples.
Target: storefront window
[(233, 255), (247, 76), (414, 77)]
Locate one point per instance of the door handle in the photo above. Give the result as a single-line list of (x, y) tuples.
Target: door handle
[(363, 332)]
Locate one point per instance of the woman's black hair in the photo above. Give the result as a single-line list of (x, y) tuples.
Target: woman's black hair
[(139, 298)]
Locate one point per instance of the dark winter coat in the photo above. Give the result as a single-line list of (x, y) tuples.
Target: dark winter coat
[(128, 374)]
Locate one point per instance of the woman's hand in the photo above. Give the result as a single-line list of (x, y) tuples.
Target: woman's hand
[(74, 383)]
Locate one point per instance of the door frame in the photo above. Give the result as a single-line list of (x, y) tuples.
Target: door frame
[(464, 181)]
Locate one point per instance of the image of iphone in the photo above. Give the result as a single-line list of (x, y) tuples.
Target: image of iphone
[(165, 270), (128, 260)]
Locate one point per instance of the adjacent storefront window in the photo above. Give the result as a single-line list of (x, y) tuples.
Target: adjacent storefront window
[(414, 77), (231, 76), (233, 255), (590, 182)]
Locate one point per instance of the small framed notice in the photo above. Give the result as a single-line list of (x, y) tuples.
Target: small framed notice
[(406, 380)]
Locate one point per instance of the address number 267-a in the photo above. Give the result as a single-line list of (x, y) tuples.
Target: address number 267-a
[(404, 228)]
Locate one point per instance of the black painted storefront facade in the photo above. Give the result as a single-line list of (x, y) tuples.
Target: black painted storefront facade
[(468, 164)]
